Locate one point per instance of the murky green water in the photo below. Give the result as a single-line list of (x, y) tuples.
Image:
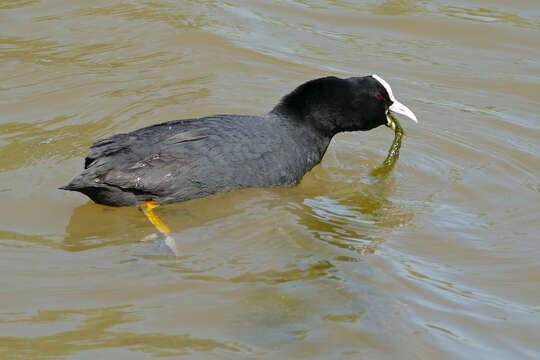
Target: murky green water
[(440, 260)]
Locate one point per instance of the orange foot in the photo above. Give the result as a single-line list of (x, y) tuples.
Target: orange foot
[(148, 210)]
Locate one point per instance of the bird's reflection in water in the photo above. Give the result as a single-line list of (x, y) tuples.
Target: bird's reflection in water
[(349, 216), (92, 226), (356, 220), (356, 216)]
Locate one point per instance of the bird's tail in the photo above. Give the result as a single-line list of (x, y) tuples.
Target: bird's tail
[(76, 184)]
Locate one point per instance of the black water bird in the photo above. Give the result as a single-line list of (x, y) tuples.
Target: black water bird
[(186, 159)]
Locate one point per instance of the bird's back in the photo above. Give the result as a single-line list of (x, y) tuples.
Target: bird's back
[(186, 159)]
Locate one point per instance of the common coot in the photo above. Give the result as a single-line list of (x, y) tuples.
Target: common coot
[(186, 159)]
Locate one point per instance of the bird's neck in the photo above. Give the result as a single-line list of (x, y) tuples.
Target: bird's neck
[(318, 103)]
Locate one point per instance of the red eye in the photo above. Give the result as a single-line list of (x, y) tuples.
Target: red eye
[(378, 97)]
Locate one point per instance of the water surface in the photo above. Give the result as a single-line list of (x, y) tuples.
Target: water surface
[(439, 260)]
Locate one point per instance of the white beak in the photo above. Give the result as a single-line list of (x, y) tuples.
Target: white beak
[(399, 108), (396, 106)]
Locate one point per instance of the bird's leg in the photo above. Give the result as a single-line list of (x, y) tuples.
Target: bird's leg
[(148, 210)]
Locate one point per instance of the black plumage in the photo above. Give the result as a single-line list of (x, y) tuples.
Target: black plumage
[(187, 159)]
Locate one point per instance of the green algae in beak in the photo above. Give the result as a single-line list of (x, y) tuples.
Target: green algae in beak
[(393, 152)]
